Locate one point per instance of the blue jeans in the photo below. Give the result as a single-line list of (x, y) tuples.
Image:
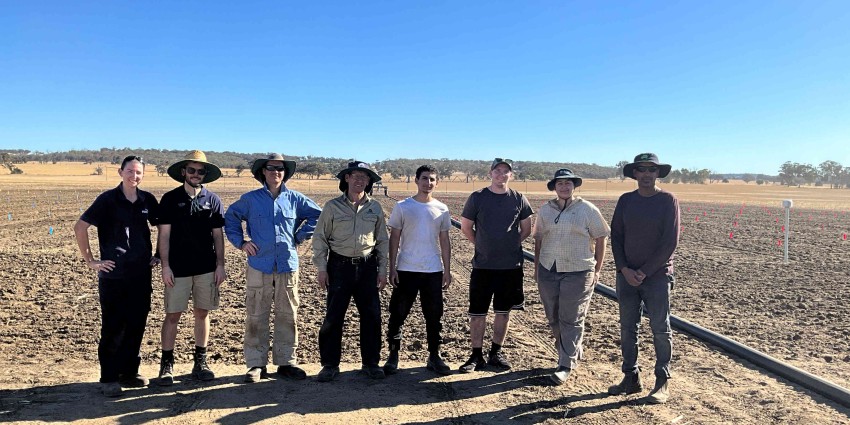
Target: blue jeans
[(654, 296)]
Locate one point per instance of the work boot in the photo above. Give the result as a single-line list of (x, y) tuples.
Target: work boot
[(292, 372), (475, 362), (560, 375), (166, 372), (201, 371), (111, 389), (328, 373), (661, 393), (374, 371), (255, 374), (436, 364), (391, 366), (133, 380), (498, 359), (629, 385)]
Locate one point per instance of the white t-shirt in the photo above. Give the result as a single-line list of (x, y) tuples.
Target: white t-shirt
[(420, 225)]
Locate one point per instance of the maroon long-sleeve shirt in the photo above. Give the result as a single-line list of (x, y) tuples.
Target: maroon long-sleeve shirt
[(645, 232)]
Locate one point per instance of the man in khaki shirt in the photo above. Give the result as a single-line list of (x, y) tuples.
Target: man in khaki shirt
[(350, 251)]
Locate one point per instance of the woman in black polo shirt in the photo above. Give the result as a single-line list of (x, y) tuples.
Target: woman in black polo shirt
[(122, 217)]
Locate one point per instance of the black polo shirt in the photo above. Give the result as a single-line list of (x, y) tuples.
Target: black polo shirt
[(191, 250), (123, 232)]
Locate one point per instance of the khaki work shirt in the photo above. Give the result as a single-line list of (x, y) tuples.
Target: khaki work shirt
[(569, 243), (351, 233)]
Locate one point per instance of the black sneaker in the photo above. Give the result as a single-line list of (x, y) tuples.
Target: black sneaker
[(292, 372), (133, 381), (498, 360), (166, 373), (474, 363), (436, 364), (327, 374)]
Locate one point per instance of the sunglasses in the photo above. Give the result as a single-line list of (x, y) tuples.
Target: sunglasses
[(644, 169), (199, 171), (275, 168)]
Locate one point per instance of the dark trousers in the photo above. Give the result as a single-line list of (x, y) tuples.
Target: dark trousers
[(124, 306), (429, 286), (348, 279)]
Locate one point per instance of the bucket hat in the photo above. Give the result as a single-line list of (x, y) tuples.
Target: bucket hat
[(357, 166), (260, 163), (566, 174), (663, 169), (213, 172)]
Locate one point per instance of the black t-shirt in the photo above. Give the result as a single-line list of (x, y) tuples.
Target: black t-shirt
[(123, 232), (191, 250)]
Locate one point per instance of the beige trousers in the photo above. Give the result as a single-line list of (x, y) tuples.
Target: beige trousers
[(263, 290)]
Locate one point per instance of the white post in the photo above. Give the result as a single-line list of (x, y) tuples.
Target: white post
[(787, 204)]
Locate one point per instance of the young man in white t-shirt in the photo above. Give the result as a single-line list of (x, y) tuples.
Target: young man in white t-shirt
[(420, 260)]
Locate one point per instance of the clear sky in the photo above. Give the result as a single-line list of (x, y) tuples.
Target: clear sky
[(733, 86)]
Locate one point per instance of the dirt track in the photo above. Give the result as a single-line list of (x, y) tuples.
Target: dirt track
[(737, 286)]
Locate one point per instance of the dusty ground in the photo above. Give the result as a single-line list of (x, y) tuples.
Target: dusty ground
[(737, 286)]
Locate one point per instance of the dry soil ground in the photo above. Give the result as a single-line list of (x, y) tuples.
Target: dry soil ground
[(734, 285)]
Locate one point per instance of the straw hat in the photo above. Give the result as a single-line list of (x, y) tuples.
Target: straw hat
[(176, 169)]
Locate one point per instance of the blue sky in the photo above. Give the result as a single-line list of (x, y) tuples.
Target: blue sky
[(730, 86)]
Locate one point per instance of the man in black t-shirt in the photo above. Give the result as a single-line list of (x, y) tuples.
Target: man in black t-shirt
[(191, 245), (496, 219)]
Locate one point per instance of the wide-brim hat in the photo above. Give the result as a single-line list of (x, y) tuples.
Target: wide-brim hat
[(357, 166), (663, 169), (564, 174), (213, 172), (259, 163)]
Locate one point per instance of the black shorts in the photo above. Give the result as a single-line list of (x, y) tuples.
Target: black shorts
[(503, 287)]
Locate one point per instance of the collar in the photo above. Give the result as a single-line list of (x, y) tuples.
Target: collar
[(140, 194)]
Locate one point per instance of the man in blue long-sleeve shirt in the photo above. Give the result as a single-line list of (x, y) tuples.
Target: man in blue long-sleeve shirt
[(644, 235), (277, 220)]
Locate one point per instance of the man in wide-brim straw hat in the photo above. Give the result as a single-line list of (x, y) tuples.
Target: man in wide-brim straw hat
[(278, 220), (644, 236), (210, 172), (350, 252), (191, 245)]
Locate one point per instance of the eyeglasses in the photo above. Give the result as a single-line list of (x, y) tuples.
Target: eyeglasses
[(644, 169), (274, 167), (200, 171)]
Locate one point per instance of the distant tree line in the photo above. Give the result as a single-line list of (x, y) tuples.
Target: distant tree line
[(315, 167)]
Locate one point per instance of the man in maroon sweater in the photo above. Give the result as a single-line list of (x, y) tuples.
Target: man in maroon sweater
[(644, 235)]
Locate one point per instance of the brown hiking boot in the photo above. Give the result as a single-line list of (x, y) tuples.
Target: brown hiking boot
[(629, 385), (661, 393), (201, 371)]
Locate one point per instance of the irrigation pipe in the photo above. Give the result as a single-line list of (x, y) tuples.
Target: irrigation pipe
[(809, 381)]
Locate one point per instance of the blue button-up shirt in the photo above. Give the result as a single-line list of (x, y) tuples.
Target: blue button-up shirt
[(275, 225)]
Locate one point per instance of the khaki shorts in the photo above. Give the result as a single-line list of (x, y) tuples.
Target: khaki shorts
[(202, 289)]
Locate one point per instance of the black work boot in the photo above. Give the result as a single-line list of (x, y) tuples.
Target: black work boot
[(629, 385), (436, 364), (391, 366), (166, 371), (201, 371)]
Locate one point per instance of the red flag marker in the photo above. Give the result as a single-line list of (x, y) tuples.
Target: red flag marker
[(783, 227), (779, 242), (845, 236), (697, 218), (731, 235), (735, 224)]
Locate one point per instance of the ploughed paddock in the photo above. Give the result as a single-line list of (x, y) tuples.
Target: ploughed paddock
[(730, 278)]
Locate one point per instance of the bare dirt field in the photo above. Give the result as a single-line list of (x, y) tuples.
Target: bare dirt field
[(730, 278)]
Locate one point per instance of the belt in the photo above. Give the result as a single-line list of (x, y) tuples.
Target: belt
[(351, 260)]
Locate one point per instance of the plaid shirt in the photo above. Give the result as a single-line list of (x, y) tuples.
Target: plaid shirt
[(569, 242)]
